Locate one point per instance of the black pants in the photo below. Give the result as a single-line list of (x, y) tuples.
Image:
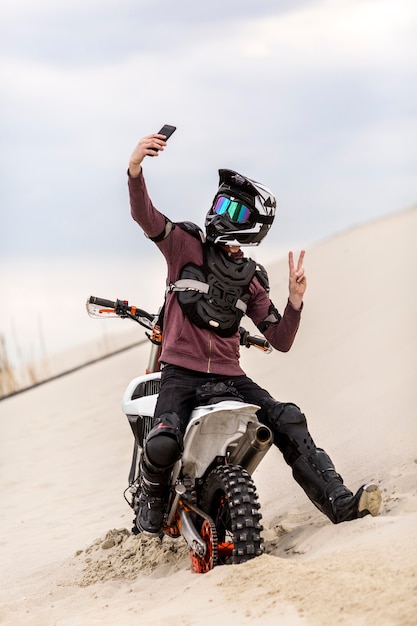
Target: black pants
[(311, 467), (177, 398)]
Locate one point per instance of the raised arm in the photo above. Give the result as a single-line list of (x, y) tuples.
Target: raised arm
[(142, 209), (280, 330)]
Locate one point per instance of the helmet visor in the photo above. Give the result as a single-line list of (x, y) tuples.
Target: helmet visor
[(236, 211)]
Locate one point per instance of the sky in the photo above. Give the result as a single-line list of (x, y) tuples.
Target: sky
[(315, 99)]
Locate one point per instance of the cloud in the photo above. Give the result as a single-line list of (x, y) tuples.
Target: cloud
[(316, 99), (342, 34), (95, 32), (303, 98)]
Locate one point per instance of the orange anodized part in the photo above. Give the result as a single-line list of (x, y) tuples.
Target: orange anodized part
[(225, 548), (203, 564), (156, 335)]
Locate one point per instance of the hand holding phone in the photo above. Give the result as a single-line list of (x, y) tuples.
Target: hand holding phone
[(166, 130)]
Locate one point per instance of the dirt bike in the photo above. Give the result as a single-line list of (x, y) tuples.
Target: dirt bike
[(213, 502)]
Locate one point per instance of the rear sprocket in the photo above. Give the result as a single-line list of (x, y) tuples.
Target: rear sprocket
[(203, 564)]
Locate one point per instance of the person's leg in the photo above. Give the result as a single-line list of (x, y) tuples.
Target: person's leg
[(312, 467), (163, 446)]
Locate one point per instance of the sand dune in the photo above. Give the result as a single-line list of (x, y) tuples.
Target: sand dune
[(67, 556)]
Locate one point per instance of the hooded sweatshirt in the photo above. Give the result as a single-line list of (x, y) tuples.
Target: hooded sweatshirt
[(184, 344)]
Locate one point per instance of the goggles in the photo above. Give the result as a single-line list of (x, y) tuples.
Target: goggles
[(238, 212)]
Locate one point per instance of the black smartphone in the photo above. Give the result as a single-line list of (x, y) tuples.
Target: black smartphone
[(166, 130)]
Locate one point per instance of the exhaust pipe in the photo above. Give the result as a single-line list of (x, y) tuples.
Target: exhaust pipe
[(252, 447)]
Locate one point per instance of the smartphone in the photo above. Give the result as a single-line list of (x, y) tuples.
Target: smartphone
[(166, 130)]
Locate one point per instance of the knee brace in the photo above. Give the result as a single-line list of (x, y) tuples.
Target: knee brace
[(163, 445), (290, 431)]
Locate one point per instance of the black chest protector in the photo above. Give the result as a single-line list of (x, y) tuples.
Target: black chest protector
[(215, 294)]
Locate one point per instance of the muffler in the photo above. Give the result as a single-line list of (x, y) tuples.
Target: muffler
[(251, 447)]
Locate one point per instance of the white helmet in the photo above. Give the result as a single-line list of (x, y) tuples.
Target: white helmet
[(242, 211)]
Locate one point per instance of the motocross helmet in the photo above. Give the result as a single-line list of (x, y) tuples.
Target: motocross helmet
[(242, 211)]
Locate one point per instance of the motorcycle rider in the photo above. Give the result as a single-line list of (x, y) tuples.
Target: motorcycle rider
[(210, 286)]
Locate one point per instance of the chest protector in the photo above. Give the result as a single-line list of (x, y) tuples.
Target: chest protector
[(215, 295)]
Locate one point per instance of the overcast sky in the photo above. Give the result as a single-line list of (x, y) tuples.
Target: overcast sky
[(316, 99)]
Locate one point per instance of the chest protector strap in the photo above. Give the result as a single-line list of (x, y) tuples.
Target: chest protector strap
[(215, 295)]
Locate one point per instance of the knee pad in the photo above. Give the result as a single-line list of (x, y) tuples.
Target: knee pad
[(291, 432), (280, 414), (163, 446)]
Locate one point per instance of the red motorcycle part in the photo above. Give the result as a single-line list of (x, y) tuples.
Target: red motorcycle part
[(203, 564)]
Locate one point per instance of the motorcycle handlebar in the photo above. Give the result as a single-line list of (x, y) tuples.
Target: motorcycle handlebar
[(123, 309), (248, 340), (102, 302)]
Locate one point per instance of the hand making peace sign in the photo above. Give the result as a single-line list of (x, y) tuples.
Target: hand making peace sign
[(298, 280)]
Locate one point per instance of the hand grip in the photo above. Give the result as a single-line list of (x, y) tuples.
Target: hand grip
[(102, 302)]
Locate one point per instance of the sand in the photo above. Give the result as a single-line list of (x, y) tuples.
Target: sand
[(67, 555)]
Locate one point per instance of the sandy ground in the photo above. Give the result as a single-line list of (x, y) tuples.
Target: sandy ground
[(67, 556)]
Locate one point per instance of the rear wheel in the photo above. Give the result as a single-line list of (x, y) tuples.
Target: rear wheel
[(229, 497)]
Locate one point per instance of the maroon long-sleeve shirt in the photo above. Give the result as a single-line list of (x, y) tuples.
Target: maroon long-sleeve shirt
[(184, 344)]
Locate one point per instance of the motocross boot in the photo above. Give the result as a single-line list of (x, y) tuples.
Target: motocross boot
[(316, 474), (162, 449), (152, 499)]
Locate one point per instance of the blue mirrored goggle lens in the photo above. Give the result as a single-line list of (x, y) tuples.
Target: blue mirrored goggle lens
[(237, 211)]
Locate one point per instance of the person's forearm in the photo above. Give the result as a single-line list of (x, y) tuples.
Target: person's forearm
[(281, 336), (134, 169), (142, 209), (296, 302)]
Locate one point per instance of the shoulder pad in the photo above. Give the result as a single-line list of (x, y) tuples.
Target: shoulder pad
[(262, 275), (192, 229)]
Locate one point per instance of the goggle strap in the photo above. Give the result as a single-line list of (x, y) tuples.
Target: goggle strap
[(264, 219)]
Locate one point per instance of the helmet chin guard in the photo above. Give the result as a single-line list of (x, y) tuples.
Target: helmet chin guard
[(242, 211)]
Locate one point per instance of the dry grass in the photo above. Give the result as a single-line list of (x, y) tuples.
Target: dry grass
[(8, 381), (30, 372), (14, 378)]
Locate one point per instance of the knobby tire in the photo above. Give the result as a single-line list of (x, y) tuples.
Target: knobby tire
[(230, 498)]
